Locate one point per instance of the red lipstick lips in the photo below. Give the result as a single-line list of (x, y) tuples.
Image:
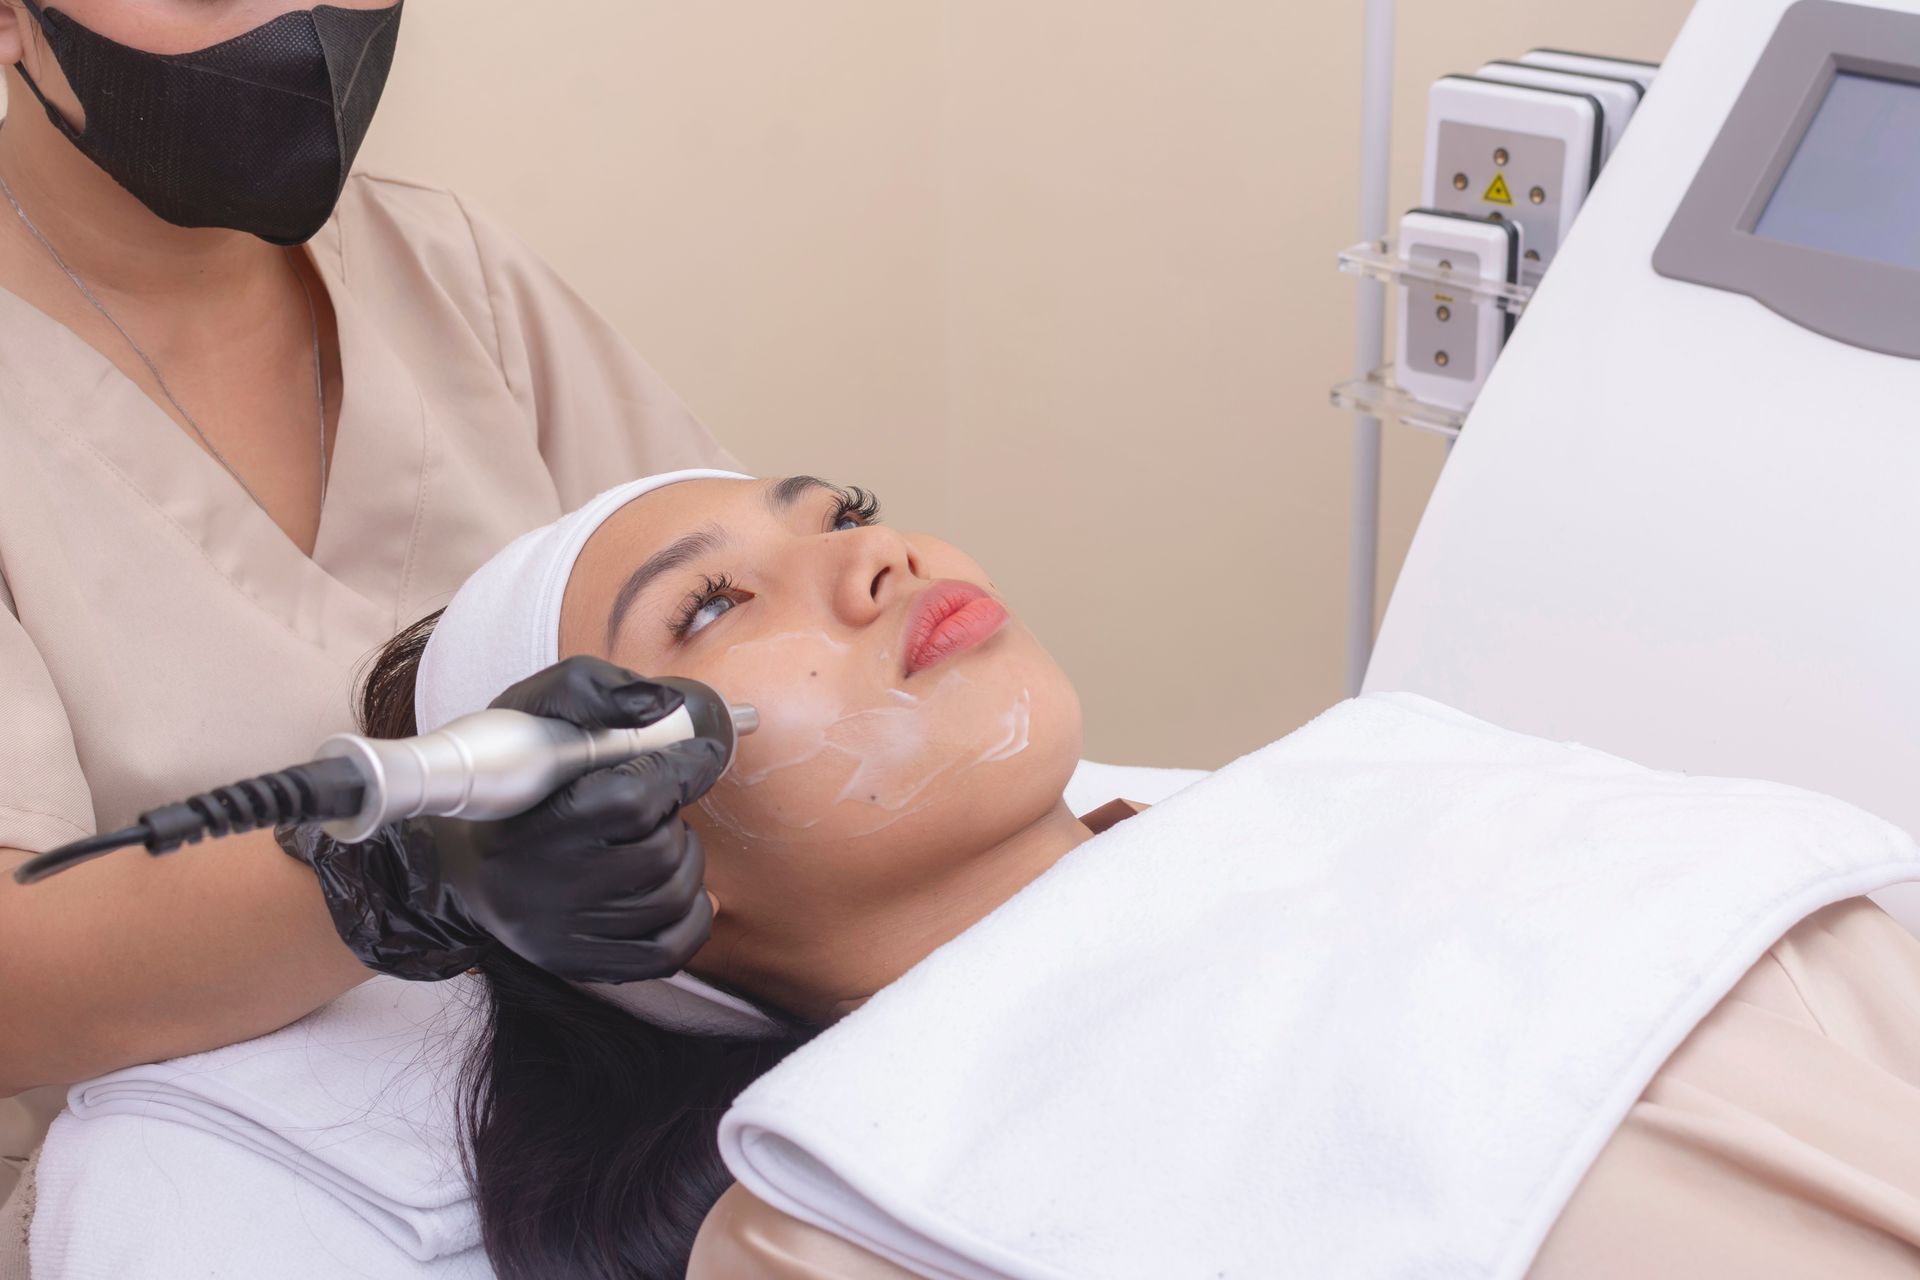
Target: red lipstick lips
[(950, 617)]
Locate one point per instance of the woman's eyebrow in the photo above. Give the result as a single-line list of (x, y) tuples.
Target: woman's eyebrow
[(782, 496), (675, 555)]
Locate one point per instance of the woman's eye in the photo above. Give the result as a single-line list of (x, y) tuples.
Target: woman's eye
[(707, 613), (857, 509), (716, 596)]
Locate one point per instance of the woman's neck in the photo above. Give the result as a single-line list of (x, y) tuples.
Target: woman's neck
[(111, 240), (840, 978)]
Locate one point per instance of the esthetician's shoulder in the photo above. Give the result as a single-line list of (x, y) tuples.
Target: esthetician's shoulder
[(396, 233)]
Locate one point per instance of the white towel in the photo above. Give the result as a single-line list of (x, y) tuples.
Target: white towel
[(331, 1139), (1367, 1002), (135, 1199)]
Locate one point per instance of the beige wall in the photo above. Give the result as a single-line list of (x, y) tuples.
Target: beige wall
[(1054, 276)]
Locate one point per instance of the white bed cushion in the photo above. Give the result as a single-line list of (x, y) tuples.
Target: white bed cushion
[(1093, 784)]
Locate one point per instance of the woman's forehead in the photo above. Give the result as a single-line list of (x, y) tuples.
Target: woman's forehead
[(656, 519), (630, 537), (666, 514), (670, 527)]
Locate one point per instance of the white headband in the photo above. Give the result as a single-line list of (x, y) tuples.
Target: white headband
[(504, 622), (502, 626)]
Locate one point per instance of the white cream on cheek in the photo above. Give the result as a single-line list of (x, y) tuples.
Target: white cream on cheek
[(820, 765)]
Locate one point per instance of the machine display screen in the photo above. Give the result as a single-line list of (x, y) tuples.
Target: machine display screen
[(1853, 187)]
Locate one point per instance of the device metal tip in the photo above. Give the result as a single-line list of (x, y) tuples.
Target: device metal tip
[(746, 718)]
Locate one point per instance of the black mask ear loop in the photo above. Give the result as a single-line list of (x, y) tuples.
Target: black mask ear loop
[(45, 23)]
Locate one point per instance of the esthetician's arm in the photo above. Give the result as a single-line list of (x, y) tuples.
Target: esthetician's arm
[(132, 958)]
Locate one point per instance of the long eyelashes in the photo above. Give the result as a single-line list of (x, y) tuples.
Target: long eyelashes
[(711, 590), (855, 502)]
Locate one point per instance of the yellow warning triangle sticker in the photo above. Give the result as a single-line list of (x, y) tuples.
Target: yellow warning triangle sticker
[(1497, 191)]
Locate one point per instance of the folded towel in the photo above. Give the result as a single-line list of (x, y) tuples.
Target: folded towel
[(1367, 1002), (124, 1197), (359, 1101)]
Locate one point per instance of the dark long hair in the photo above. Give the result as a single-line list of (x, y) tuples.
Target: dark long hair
[(591, 1136)]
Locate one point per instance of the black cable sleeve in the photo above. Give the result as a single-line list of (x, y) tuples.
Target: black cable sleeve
[(306, 793), (54, 861), (311, 792)]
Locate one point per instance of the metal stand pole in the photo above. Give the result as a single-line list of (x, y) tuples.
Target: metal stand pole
[(1376, 143)]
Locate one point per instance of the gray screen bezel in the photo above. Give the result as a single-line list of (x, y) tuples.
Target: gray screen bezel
[(1711, 240)]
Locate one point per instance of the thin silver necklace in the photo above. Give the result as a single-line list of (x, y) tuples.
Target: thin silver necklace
[(313, 318)]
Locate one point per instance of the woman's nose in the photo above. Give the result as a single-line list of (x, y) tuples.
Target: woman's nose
[(879, 568)]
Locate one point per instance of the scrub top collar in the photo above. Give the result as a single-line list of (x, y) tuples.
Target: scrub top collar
[(356, 581)]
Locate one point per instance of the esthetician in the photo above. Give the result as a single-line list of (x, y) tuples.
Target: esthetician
[(255, 417)]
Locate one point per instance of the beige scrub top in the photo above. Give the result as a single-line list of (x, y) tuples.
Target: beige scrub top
[(161, 634)]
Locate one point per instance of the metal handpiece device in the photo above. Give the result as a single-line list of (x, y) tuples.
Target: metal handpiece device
[(491, 764), (496, 763)]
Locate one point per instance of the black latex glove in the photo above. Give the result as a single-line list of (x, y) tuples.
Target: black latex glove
[(601, 882)]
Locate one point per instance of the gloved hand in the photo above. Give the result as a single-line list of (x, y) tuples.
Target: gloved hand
[(601, 882)]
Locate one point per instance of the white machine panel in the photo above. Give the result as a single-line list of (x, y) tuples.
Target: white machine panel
[(1512, 151), (1679, 526), (1618, 96), (1446, 342), (1642, 73)]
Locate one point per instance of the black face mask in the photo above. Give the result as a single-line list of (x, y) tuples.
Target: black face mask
[(256, 133)]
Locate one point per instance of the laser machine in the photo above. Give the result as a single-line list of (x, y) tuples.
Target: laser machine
[(1683, 520)]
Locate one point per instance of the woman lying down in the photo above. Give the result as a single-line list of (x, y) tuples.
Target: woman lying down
[(1403, 994)]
